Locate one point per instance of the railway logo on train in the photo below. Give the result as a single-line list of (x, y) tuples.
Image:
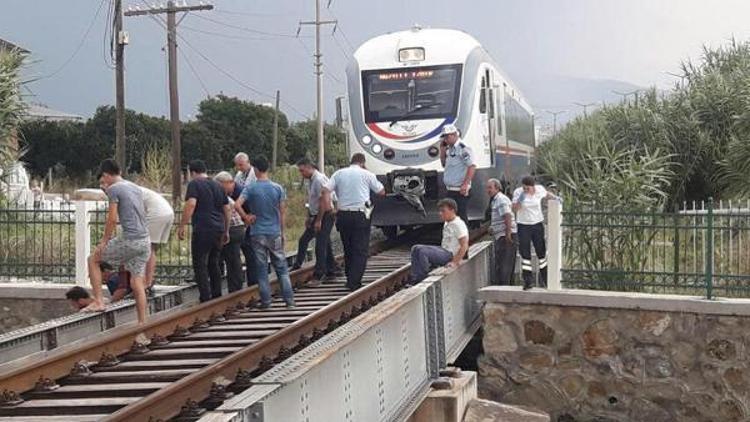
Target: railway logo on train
[(403, 87)]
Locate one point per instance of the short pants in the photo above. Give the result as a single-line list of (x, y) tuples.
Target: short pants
[(130, 253), (159, 228)]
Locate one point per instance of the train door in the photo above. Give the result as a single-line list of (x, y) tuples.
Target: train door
[(488, 115)]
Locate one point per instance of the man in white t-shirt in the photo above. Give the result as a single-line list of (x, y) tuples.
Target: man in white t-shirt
[(527, 203), (452, 249), (159, 220)]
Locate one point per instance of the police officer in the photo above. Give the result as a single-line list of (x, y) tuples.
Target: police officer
[(352, 186), (458, 161)]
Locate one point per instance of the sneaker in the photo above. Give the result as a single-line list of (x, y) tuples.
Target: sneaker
[(262, 306), (290, 305), (526, 286)]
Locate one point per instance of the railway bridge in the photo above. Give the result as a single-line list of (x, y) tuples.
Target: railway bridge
[(370, 355)]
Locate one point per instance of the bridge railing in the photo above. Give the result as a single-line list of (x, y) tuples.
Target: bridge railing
[(378, 366)]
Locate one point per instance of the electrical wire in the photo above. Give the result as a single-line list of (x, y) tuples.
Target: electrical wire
[(340, 29), (242, 28), (330, 75), (80, 43), (251, 14), (238, 81), (194, 72), (227, 36), (341, 48)]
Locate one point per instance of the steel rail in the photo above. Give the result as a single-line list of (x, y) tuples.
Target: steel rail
[(163, 404)]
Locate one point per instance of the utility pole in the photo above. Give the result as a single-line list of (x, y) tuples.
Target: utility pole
[(554, 119), (171, 11), (585, 107), (319, 75), (625, 95), (120, 40), (276, 131)]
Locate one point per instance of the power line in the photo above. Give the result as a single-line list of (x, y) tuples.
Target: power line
[(338, 44), (242, 28), (194, 72), (80, 43), (227, 36), (237, 81), (252, 14), (339, 28), (328, 74), (160, 22)]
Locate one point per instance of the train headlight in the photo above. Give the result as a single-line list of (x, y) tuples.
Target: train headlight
[(366, 139), (433, 151), (377, 148), (389, 154), (415, 54)]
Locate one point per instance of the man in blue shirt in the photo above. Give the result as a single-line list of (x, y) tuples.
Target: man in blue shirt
[(352, 186), (266, 202)]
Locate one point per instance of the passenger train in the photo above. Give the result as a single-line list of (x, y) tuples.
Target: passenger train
[(403, 87)]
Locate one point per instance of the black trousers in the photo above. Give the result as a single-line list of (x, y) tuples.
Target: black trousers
[(505, 260), (230, 253), (528, 235), (325, 262), (354, 228), (206, 251), (249, 254), (462, 202)]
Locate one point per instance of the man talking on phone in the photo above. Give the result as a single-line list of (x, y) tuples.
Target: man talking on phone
[(458, 161)]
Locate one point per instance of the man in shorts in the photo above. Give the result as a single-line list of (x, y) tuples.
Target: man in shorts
[(132, 248), (159, 219)]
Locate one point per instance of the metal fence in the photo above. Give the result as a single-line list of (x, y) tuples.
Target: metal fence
[(702, 249), (40, 244), (173, 261), (37, 243)]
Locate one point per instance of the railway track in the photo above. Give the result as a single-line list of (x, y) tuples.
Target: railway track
[(194, 359)]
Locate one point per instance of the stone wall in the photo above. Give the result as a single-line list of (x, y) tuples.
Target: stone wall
[(19, 313), (597, 356)]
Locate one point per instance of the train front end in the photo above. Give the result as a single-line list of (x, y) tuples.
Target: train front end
[(403, 88)]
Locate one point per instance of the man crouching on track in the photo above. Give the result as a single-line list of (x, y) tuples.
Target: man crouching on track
[(451, 250), (132, 248), (266, 201)]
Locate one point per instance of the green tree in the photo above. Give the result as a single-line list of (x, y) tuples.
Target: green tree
[(302, 141), (227, 125)]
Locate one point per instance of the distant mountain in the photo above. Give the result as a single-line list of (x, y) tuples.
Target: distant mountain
[(555, 93)]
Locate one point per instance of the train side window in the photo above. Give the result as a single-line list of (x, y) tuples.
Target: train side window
[(483, 96)]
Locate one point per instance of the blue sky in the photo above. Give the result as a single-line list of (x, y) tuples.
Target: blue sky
[(536, 41)]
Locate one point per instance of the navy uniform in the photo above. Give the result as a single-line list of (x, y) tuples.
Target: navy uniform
[(458, 159), (352, 186)]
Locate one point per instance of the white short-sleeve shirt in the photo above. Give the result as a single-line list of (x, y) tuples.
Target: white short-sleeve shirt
[(530, 212), (453, 231)]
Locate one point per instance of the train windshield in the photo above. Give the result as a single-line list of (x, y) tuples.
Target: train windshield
[(411, 94)]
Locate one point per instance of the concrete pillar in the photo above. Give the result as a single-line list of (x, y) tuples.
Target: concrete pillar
[(83, 240), (448, 399), (554, 246)]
